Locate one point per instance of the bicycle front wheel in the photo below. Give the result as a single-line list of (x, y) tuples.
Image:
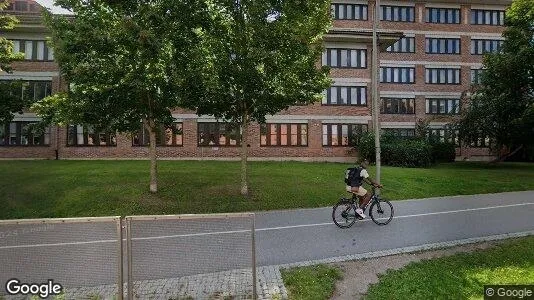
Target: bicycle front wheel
[(344, 214), (381, 212)]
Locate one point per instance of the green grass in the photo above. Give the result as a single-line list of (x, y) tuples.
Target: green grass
[(31, 189), (311, 283), (461, 276)]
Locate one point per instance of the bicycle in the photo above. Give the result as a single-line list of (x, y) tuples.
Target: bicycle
[(381, 211)]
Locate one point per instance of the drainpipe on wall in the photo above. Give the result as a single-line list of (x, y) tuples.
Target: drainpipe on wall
[(57, 127)]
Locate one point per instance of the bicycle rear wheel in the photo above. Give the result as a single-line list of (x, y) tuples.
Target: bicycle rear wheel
[(344, 214), (381, 212)]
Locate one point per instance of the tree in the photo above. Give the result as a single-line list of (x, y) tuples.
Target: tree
[(129, 63), (265, 60), (10, 98), (502, 107)]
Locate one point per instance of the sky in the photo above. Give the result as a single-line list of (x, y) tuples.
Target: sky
[(50, 5)]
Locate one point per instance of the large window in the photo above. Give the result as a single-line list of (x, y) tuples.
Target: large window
[(476, 75), (442, 46), (33, 50), (342, 134), (442, 76), (397, 74), (404, 45), (345, 58), (439, 106), (400, 132), (30, 90), (487, 17), (82, 136), (397, 13), (444, 135), (218, 134), (481, 143), (479, 46), (272, 134), (345, 95), (342, 11), (443, 15), (398, 105), (23, 134), (165, 136)]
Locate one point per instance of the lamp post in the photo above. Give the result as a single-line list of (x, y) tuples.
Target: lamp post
[(374, 83)]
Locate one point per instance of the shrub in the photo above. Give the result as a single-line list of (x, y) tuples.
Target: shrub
[(443, 152)]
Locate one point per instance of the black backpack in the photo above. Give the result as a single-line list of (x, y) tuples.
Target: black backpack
[(351, 174)]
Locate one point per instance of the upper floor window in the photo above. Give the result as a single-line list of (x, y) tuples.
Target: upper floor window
[(23, 134), (272, 134), (23, 6), (397, 13), (479, 46), (30, 90), (476, 75), (342, 134), (341, 11), (438, 106), (443, 15), (442, 45), (487, 17), (400, 132), (397, 74), (442, 76), (33, 50), (398, 105), (165, 136), (345, 58), (218, 134), (345, 95), (78, 135), (404, 45)]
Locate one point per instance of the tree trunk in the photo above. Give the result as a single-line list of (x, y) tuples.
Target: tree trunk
[(504, 157), (244, 153), (153, 157)]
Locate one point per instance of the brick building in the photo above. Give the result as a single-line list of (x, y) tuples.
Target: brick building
[(431, 53)]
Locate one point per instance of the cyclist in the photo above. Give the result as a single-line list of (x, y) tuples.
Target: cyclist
[(356, 187)]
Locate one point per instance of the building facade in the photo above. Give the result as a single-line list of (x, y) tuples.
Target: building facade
[(431, 54)]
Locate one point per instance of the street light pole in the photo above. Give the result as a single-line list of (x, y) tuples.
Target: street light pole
[(374, 82)]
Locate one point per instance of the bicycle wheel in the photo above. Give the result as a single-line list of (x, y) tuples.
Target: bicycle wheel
[(344, 214), (381, 212)]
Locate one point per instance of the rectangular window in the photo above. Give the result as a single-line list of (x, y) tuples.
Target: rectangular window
[(30, 91), (487, 17), (216, 134), (476, 76), (23, 134), (481, 143), (438, 106), (406, 75), (342, 134), (442, 76), (274, 134), (78, 135), (444, 135), (165, 136), (345, 58), (443, 15), (400, 132), (442, 46), (34, 50), (345, 95), (404, 45), (481, 46), (341, 11), (398, 106), (397, 13)]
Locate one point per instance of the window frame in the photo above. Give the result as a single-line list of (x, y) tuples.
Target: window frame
[(477, 13), (218, 132), (363, 11), (396, 13), (384, 75), (385, 100), (266, 130), (429, 77), (456, 42), (360, 54), (85, 133), (144, 138), (34, 48), (410, 45), (360, 90), (457, 15), (19, 134), (445, 101), (361, 128)]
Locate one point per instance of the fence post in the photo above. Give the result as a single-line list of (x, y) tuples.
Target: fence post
[(129, 258), (254, 282), (120, 283)]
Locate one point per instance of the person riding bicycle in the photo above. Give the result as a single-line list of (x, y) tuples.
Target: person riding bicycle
[(356, 187)]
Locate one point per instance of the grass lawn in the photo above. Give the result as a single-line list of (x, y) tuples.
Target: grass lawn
[(311, 283), (32, 189), (460, 276)]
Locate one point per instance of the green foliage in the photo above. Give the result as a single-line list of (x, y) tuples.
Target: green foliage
[(443, 152), (311, 283)]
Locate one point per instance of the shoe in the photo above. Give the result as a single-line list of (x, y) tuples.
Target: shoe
[(360, 213)]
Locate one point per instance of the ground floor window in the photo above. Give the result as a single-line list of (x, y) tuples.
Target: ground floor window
[(78, 135), (218, 134), (342, 134), (445, 135), (400, 132), (283, 134), (23, 134), (165, 136)]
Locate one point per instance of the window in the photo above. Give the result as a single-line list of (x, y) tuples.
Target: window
[(404, 45), (401, 132), (30, 90), (23, 134), (21, 6), (443, 15), (345, 95), (397, 13), (342, 134), (78, 135), (398, 105), (444, 135), (170, 136), (442, 106), (442, 46), (218, 134), (397, 74), (476, 75), (345, 58), (482, 143), (442, 76), (349, 11), (479, 47), (33, 50), (272, 134), (487, 17)]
